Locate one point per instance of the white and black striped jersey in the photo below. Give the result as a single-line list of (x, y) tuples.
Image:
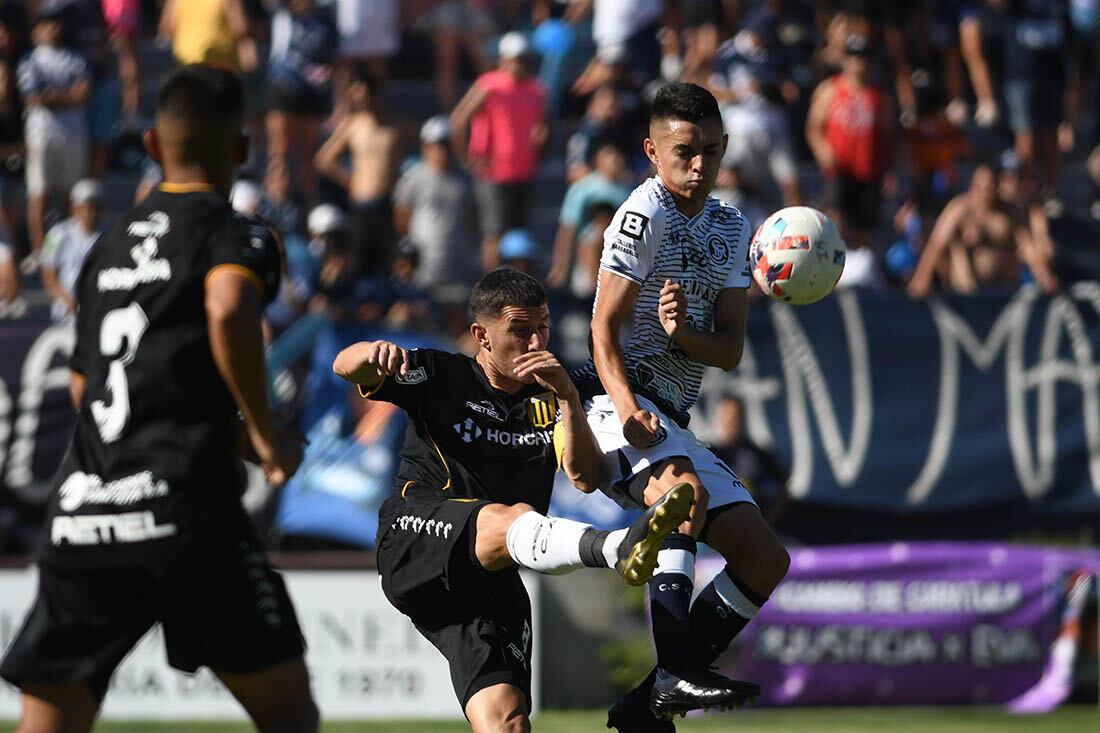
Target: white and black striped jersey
[(650, 241)]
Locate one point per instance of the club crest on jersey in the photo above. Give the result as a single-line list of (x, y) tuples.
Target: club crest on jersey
[(542, 410), (718, 249)]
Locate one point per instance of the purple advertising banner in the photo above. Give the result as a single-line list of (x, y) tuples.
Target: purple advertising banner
[(908, 623)]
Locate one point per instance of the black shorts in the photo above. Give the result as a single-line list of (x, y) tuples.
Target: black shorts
[(301, 100), (698, 13), (857, 201), (372, 235), (221, 605), (479, 620)]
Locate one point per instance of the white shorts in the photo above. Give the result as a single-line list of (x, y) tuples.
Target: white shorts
[(55, 162), (629, 467)]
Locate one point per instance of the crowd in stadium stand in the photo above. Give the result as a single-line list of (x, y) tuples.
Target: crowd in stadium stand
[(937, 134)]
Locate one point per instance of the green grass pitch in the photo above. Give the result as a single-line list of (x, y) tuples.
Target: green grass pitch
[(1075, 719)]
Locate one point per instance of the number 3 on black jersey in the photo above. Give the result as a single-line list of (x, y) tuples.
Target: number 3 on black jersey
[(119, 336)]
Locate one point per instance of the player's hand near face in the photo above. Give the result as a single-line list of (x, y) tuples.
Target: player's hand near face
[(672, 307), (368, 362), (547, 371), (640, 428)]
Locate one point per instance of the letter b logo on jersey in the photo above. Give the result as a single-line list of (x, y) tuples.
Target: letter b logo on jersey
[(633, 224)]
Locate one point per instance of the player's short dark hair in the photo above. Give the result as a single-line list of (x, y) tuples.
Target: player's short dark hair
[(684, 101), (503, 287), (204, 104)]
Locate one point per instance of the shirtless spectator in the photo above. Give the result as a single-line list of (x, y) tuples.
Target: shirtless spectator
[(505, 116), (978, 243), (372, 146)]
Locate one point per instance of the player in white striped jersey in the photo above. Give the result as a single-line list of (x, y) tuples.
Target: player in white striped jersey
[(675, 260)]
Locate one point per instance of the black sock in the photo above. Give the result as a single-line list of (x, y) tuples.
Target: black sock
[(719, 613), (591, 548), (670, 600)]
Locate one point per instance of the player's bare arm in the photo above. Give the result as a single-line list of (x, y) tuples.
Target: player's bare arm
[(613, 308), (720, 348), (234, 312), (367, 363), (581, 458)]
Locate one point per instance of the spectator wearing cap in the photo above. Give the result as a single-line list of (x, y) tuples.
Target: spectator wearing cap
[(501, 126), (55, 86), (520, 251), (67, 246), (609, 183), (849, 130), (433, 202), (371, 144), (327, 226)]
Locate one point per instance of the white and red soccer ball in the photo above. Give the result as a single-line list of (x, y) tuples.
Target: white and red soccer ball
[(797, 255)]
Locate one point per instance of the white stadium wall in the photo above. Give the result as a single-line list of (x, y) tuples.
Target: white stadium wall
[(366, 660)]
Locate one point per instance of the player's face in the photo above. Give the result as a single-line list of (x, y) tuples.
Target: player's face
[(687, 155), (517, 331)]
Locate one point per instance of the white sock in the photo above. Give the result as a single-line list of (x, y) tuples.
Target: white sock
[(550, 545), (611, 546)]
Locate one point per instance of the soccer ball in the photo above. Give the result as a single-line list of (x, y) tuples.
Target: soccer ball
[(797, 255)]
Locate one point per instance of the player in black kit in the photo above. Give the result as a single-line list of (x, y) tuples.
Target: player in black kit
[(485, 438), (146, 523)]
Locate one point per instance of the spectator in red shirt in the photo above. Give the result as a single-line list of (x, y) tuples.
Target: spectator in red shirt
[(501, 125), (849, 129)]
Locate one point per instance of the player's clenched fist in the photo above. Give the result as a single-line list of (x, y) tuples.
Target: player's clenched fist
[(367, 362), (641, 428), (672, 307)]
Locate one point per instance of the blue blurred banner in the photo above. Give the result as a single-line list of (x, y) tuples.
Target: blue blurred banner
[(352, 458), (887, 404), (876, 403)]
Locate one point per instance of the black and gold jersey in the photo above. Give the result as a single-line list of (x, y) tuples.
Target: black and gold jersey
[(467, 440), (154, 449)]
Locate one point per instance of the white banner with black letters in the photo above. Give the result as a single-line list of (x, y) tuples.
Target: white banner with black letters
[(365, 659)]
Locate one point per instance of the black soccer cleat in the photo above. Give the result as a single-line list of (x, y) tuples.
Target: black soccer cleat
[(702, 690), (638, 550), (631, 714)]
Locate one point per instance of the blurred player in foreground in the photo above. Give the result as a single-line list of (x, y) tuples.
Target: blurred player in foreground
[(486, 436), (146, 524), (675, 259)]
